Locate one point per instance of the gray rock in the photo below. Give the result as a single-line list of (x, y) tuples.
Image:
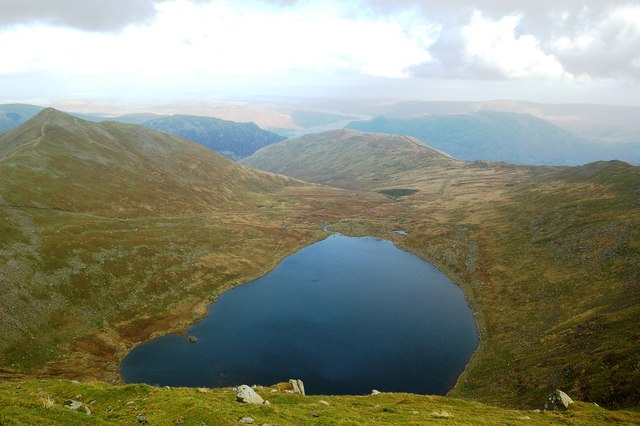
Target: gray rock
[(298, 386), (375, 392), (246, 421), (193, 339), (558, 400), (247, 395), (72, 404)]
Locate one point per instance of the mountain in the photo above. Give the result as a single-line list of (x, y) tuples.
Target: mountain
[(13, 115), (113, 232), (609, 124), (234, 140), (107, 157), (498, 136), (547, 256), (348, 158)]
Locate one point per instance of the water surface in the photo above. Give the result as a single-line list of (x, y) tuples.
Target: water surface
[(345, 315)]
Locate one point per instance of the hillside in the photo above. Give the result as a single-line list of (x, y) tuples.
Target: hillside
[(114, 233), (348, 158), (547, 257), (500, 136), (234, 140)]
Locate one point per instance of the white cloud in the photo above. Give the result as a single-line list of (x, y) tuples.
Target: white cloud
[(606, 48), (187, 39), (493, 44)]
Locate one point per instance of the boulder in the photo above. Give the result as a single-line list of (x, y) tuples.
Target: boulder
[(298, 386), (72, 404), (375, 392), (247, 395), (246, 421), (558, 400)]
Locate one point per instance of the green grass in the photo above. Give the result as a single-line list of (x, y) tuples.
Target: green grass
[(41, 402)]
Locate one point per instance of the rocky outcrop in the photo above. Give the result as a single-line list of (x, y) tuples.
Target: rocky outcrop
[(298, 386), (247, 395), (558, 400)]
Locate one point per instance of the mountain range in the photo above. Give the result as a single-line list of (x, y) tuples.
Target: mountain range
[(115, 233)]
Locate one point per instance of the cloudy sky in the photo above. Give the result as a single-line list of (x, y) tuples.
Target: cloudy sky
[(144, 50)]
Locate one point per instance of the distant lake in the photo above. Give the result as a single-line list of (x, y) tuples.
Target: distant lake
[(345, 315)]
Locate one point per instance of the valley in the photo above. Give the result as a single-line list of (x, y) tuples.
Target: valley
[(547, 256), (114, 234)]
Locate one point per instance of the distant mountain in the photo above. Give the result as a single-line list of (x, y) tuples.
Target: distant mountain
[(13, 115), (348, 158), (498, 136), (604, 123), (234, 140)]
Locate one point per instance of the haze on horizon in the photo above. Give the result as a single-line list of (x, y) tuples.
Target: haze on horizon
[(570, 51)]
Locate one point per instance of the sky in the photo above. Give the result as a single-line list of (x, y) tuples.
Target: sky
[(561, 51)]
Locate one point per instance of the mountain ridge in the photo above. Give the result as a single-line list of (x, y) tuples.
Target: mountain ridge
[(349, 157), (499, 136)]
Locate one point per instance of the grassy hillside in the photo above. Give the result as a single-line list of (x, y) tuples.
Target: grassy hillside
[(348, 158), (234, 140), (548, 257), (42, 402), (114, 233), (499, 136)]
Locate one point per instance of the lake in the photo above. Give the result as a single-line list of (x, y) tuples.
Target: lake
[(345, 315)]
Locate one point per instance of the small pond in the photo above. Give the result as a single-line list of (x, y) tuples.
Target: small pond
[(345, 315)]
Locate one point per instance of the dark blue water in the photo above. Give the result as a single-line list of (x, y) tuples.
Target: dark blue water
[(345, 315)]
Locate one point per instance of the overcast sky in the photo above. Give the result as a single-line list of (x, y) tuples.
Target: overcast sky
[(140, 50)]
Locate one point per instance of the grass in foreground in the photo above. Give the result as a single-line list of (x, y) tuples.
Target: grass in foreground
[(42, 402)]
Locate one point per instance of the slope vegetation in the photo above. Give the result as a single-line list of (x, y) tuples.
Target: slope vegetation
[(114, 233)]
